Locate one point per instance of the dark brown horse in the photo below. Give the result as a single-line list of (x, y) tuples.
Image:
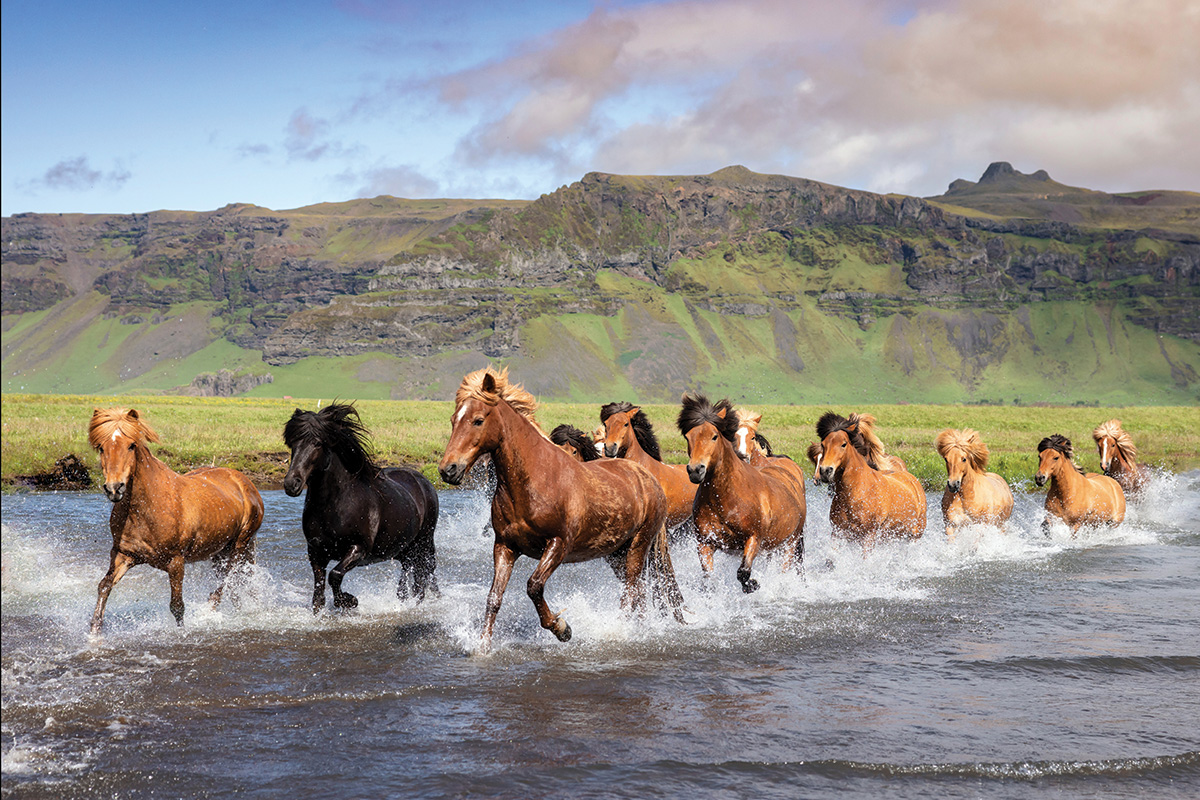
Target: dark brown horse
[(629, 434), (357, 512), (867, 502), (1118, 459), (737, 506), (1075, 497), (165, 519), (550, 507)]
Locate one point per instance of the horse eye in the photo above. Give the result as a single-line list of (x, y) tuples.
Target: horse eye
[(478, 421), (714, 437), (963, 459), (131, 447), (843, 445)]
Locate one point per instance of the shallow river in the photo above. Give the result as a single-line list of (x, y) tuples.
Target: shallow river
[(998, 665)]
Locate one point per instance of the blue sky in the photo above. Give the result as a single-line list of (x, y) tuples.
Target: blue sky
[(129, 107)]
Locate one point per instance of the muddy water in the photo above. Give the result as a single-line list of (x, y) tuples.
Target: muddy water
[(999, 665)]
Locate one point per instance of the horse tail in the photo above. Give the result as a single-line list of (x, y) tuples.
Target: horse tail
[(662, 574)]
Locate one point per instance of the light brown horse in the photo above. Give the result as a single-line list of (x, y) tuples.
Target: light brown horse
[(629, 434), (972, 493), (1118, 459), (867, 503), (752, 447), (737, 506), (550, 507), (165, 519), (1076, 498)]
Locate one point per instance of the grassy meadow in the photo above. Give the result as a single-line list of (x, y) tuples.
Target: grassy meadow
[(246, 433)]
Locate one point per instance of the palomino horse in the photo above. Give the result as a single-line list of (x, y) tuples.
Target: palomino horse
[(737, 506), (867, 503), (575, 442), (629, 434), (1118, 458), (165, 519), (972, 494), (553, 508), (357, 512), (1076, 498)]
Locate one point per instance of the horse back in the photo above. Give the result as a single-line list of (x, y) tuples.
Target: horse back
[(1109, 502), (215, 506), (420, 490)]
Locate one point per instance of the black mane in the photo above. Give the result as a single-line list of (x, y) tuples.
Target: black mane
[(763, 443), (1063, 445), (643, 430), (830, 422), (584, 444), (697, 411), (338, 427)]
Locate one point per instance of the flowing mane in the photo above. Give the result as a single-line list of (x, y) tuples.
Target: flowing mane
[(966, 440), (875, 454), (642, 428), (583, 444), (1063, 445), (698, 410), (853, 426), (338, 427), (1113, 429), (108, 423), (514, 394)]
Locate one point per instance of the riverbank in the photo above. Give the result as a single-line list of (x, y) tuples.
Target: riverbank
[(247, 433)]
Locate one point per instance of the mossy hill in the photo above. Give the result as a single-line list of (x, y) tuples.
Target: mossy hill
[(762, 287)]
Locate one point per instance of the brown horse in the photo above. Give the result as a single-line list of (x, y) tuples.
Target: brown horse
[(165, 519), (972, 493), (867, 503), (752, 447), (575, 442), (737, 506), (1118, 459), (553, 508), (629, 434), (1076, 498)]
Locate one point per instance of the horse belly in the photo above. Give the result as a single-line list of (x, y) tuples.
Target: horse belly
[(213, 514)]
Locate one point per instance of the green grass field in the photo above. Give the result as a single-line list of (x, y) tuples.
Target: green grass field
[(246, 433)]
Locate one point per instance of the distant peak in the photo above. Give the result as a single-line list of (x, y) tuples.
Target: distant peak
[(999, 170)]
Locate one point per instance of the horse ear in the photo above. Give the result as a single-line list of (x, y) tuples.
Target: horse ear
[(488, 384), (754, 419), (132, 413), (721, 413), (95, 412), (633, 412)]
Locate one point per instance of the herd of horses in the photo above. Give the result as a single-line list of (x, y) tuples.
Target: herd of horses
[(569, 496)]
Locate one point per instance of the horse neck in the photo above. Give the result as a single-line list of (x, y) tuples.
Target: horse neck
[(729, 473), (854, 466), (971, 479), (332, 480), (1122, 462), (521, 445), (1067, 480), (634, 451), (147, 479)]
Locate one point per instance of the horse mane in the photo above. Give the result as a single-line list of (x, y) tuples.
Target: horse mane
[(763, 443), (584, 444), (966, 440), (831, 422), (514, 394), (698, 410), (1063, 445), (338, 427), (643, 430), (1124, 441), (107, 422), (814, 452), (875, 454)]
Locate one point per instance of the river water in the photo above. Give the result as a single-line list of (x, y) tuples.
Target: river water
[(998, 665)]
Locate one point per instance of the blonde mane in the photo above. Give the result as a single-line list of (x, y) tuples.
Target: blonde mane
[(514, 394), (108, 423), (966, 440), (1113, 429), (876, 457)]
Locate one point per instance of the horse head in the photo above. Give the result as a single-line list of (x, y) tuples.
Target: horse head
[(116, 434), (839, 436), (1113, 443), (704, 425), (747, 433), (617, 419), (475, 426), (315, 438), (1054, 453), (963, 451), (575, 442)]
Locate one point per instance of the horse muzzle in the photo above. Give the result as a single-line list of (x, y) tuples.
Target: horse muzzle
[(954, 486), (696, 472), (825, 474), (115, 491), (1039, 479), (293, 486), (610, 450), (453, 474)]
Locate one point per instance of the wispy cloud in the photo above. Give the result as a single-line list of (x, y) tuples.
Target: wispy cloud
[(76, 174), (307, 138)]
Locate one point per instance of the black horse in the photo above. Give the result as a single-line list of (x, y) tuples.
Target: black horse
[(356, 511)]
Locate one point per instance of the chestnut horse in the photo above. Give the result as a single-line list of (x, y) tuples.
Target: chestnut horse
[(1118, 459), (629, 434), (575, 442), (1076, 498), (867, 503), (737, 506), (752, 447), (553, 508), (972, 493), (357, 512), (165, 519)]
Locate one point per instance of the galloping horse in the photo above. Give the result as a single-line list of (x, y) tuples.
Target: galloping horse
[(356, 512), (629, 434), (165, 519), (867, 502), (737, 506), (553, 508), (1118, 458), (575, 442), (972, 494), (1076, 498)]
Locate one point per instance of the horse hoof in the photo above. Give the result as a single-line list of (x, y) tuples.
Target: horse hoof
[(750, 586), (562, 630), (346, 601)]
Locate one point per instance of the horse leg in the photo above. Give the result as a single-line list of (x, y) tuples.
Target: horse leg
[(175, 576), (503, 558), (616, 561), (422, 569), (743, 574), (552, 556), (349, 561), (118, 565)]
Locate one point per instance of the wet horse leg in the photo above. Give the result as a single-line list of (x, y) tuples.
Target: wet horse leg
[(349, 561), (743, 574), (552, 556), (175, 576), (118, 565), (503, 558), (317, 560)]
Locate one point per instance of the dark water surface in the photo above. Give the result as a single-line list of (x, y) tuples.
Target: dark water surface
[(998, 665)]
